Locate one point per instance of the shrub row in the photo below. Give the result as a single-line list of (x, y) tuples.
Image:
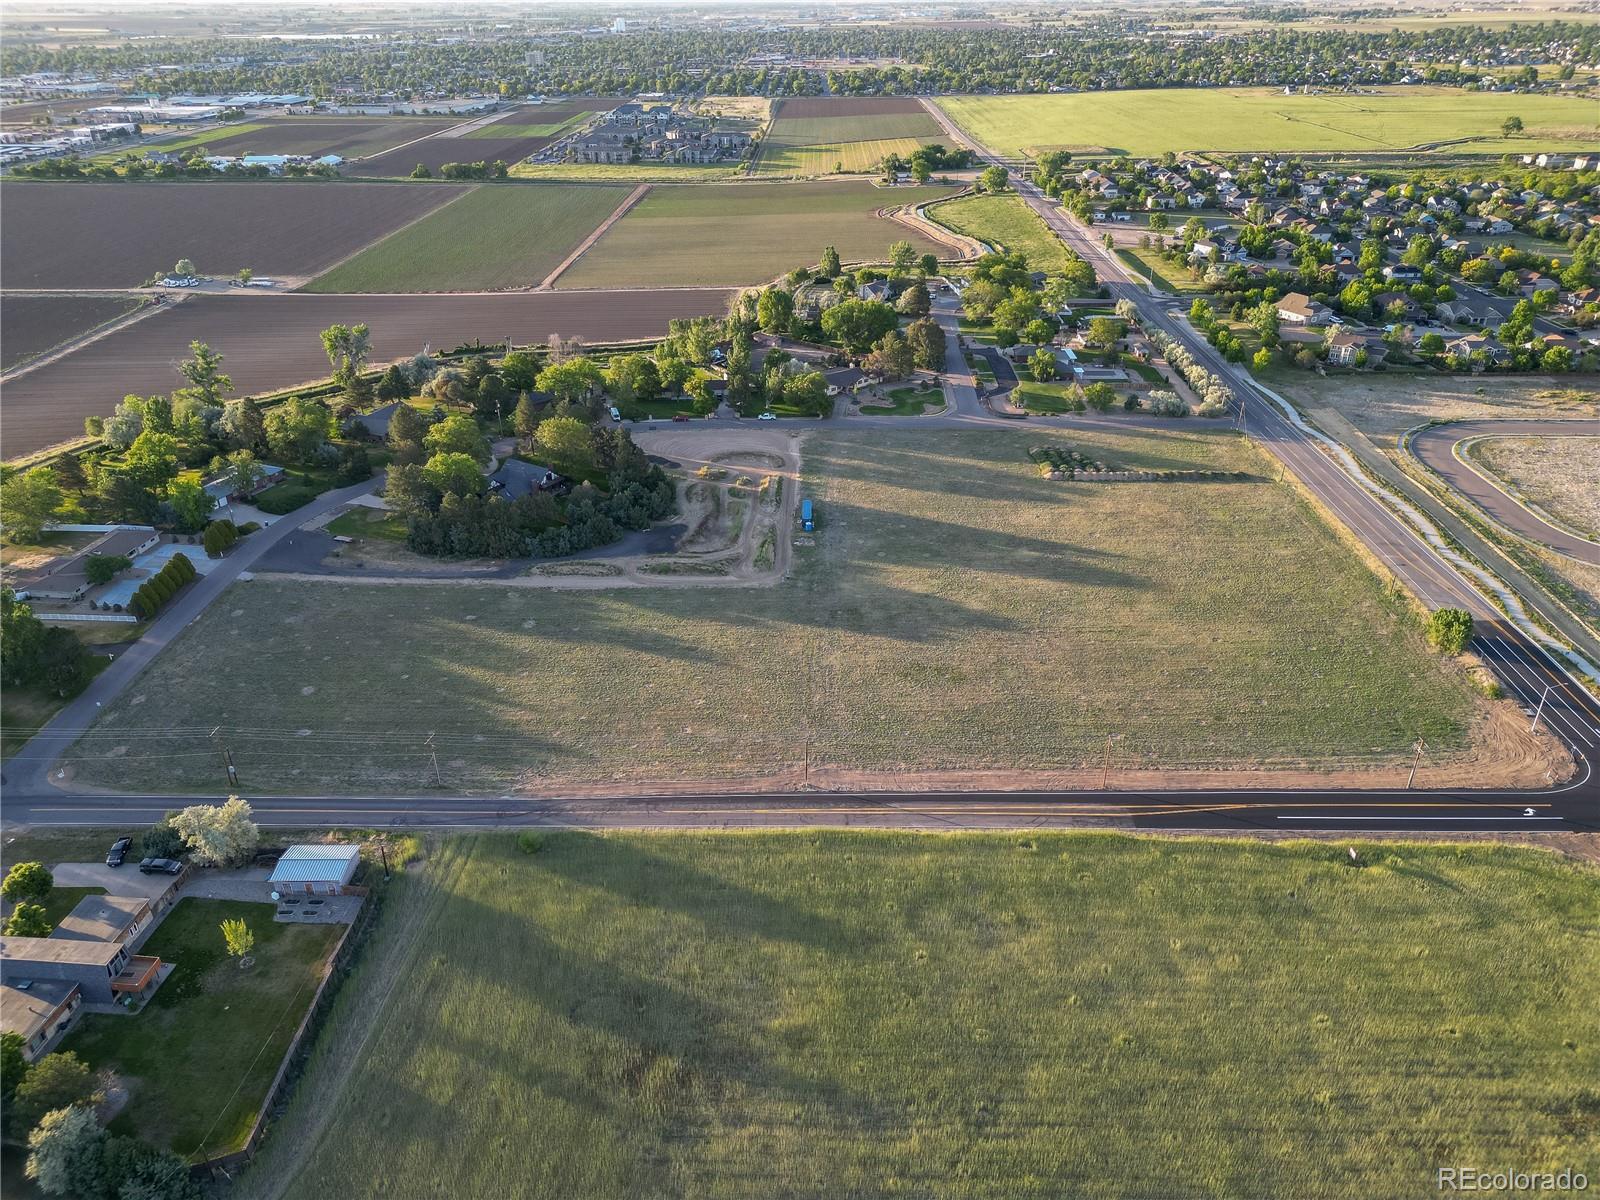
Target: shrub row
[(154, 593)]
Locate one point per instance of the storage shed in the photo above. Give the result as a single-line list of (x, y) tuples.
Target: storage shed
[(314, 870)]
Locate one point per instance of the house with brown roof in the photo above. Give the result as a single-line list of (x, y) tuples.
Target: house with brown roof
[(1299, 309)]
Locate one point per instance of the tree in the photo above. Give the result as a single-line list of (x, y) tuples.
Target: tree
[(28, 502), (191, 505), (420, 171), (1104, 332), (406, 428), (408, 491), (902, 257), (633, 377), (573, 380), (808, 392), (27, 881), (218, 537), (218, 835), (929, 264), (1510, 126), (393, 384), (567, 440), (520, 370), (152, 461), (452, 471), (705, 401), (913, 302), (1042, 366), (141, 1172), (297, 429), (1431, 343), (347, 347), (243, 472), (13, 1067), (525, 419), (22, 638), (457, 434), (70, 476), (927, 342), (203, 370), (993, 179), (103, 568), (774, 310), (830, 263), (1100, 396), (243, 425), (237, 937), (1262, 359), (1450, 630), (66, 1152), (184, 266), (891, 357), (55, 1081), (857, 324), (29, 920)]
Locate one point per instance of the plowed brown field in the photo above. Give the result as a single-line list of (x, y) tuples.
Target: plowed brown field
[(89, 235), (434, 152), (270, 342)]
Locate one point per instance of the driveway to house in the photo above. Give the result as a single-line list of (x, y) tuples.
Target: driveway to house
[(1437, 447), (126, 880), (960, 386), (28, 770)]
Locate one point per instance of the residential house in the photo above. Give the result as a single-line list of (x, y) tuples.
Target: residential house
[(104, 972), (1344, 346), (38, 1011), (66, 579), (517, 478), (1299, 309), (106, 919)]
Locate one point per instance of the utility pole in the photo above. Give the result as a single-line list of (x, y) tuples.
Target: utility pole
[(434, 756), (1105, 771), (1416, 758), (226, 756), (1540, 709)]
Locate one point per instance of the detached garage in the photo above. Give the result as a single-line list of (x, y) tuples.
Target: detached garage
[(314, 870)]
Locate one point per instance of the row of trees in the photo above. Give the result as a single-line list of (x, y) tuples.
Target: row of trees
[(154, 592), (1215, 396)]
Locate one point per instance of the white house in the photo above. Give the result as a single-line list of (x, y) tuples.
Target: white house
[(314, 870)]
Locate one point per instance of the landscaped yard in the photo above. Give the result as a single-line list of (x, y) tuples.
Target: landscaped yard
[(1149, 123), (363, 522), (497, 236), (907, 402), (837, 1014), (1046, 398), (199, 1058), (1160, 272), (726, 235), (1007, 223), (959, 612)]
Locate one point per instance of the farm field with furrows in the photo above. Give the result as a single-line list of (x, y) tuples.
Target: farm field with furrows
[(818, 136), (88, 235), (970, 1017), (507, 137), (271, 342), (1153, 122), (1559, 475), (498, 236), (32, 325), (957, 612), (1007, 223), (348, 137), (732, 235)]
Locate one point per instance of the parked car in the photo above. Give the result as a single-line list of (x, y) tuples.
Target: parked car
[(680, 416), (160, 866), (766, 416), (118, 854), (616, 414)]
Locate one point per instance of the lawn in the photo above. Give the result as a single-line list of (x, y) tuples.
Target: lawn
[(25, 710), (199, 1059), (1007, 223), (1177, 119), (907, 402), (364, 522), (839, 1014), (1159, 271), (1047, 398), (495, 237), (961, 613), (745, 234)]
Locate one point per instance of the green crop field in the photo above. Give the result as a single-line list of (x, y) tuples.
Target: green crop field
[(800, 131), (1153, 122), (832, 158), (1008, 223), (496, 236), (745, 234), (958, 612), (1001, 1016), (640, 172)]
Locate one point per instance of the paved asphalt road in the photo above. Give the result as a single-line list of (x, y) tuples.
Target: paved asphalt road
[(1524, 667), (1435, 448)]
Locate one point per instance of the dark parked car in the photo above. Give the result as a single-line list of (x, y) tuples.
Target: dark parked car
[(118, 854), (160, 866)]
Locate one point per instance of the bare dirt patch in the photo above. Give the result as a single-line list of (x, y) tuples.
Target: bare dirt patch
[(1560, 476), (1383, 405)]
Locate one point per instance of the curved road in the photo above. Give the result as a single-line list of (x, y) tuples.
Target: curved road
[(1436, 447)]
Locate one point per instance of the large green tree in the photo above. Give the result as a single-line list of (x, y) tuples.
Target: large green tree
[(29, 500)]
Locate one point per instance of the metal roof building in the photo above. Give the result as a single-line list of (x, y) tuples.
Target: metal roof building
[(318, 870)]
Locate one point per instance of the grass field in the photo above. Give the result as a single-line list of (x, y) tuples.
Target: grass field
[(199, 1058), (1005, 222), (1010, 1016), (845, 140), (1153, 122), (1385, 406), (1160, 272), (497, 236), (718, 236), (907, 402), (1559, 475), (959, 612)]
